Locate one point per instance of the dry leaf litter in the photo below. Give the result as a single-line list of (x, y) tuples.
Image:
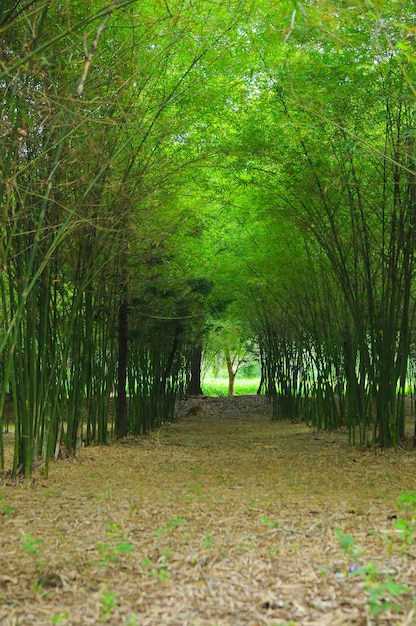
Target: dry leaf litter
[(223, 517)]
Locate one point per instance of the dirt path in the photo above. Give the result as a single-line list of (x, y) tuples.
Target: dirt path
[(223, 518)]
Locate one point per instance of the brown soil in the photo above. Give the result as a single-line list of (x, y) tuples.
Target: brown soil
[(221, 518)]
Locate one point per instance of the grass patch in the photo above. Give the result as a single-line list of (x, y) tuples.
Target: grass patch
[(212, 386)]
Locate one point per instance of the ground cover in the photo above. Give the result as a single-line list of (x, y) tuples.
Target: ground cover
[(218, 386), (221, 518)]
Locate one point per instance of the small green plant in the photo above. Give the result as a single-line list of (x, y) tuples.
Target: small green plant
[(348, 545), (294, 546), (177, 521), (273, 552), (407, 527), (268, 522), (132, 620), (407, 501), (108, 604), (30, 545), (208, 541), (166, 554), (114, 531), (161, 574), (59, 618), (196, 487), (382, 593), (111, 554), (5, 509)]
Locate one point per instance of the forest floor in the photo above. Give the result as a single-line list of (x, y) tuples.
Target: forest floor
[(222, 518)]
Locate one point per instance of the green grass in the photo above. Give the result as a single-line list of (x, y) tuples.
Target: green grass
[(212, 386)]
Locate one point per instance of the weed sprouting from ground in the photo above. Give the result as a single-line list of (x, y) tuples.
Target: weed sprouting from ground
[(385, 593), (5, 509), (174, 523), (108, 604)]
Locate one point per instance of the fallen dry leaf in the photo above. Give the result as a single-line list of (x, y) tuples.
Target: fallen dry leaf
[(221, 518)]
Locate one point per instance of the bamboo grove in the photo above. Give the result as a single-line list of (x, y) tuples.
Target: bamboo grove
[(341, 350), (82, 358), (165, 163)]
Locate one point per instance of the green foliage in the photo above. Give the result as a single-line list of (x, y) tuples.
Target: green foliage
[(31, 546), (59, 618), (407, 501), (147, 562), (385, 594), (214, 386), (161, 574), (265, 520), (238, 176), (158, 571), (111, 554), (108, 604), (71, 262), (5, 509), (174, 523), (117, 546), (250, 370), (348, 545), (407, 526)]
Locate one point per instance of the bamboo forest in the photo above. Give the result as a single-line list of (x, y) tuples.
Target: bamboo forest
[(185, 186)]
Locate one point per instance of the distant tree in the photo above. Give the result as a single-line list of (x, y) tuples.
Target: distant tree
[(230, 343)]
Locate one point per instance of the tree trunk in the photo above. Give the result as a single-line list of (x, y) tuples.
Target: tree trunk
[(231, 375), (261, 383), (170, 361), (194, 387), (121, 412)]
